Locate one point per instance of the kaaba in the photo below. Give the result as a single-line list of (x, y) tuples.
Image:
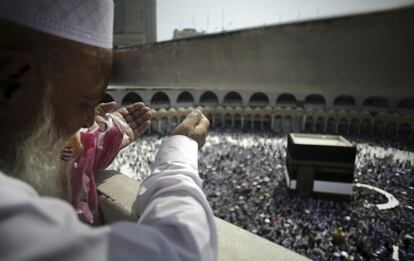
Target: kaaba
[(321, 166)]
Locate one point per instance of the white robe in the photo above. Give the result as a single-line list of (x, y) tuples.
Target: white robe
[(176, 221)]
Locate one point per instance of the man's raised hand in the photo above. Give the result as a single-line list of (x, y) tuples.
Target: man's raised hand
[(137, 116), (195, 126)]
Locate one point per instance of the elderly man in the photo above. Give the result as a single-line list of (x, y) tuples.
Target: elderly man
[(55, 58)]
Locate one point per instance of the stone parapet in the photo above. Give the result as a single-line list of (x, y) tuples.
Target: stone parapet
[(119, 192)]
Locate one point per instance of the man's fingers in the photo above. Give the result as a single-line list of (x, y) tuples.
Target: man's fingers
[(67, 150), (135, 107), (204, 123), (201, 131), (129, 117), (202, 127), (195, 126), (123, 111), (66, 154), (140, 113), (192, 119), (103, 108), (143, 127), (109, 107), (135, 123), (130, 109)]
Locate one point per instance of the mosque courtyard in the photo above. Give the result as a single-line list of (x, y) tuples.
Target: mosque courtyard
[(244, 180)]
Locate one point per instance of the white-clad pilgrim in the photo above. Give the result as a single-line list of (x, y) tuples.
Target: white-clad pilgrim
[(55, 58)]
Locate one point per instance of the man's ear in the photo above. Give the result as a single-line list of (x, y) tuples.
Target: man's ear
[(15, 72)]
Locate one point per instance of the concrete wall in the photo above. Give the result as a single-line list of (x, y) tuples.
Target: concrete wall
[(361, 56), (118, 194)]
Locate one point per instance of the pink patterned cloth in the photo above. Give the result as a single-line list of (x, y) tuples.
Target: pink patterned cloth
[(98, 151)]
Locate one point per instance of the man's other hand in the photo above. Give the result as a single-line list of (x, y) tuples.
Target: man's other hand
[(137, 116), (195, 126)]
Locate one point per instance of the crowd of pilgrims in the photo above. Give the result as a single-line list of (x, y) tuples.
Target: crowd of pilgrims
[(244, 180)]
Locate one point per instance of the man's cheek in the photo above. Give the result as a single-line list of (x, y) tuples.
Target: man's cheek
[(68, 126), (76, 125)]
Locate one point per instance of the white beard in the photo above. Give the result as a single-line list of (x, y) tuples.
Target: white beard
[(37, 161)]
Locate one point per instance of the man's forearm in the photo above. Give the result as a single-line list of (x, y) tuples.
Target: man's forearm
[(172, 200)]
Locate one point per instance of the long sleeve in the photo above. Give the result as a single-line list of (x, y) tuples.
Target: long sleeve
[(171, 199), (176, 222)]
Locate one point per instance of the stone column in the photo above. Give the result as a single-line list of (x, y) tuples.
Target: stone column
[(348, 126), (336, 127), (304, 122)]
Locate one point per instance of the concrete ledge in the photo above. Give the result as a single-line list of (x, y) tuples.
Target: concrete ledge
[(117, 194), (238, 244)]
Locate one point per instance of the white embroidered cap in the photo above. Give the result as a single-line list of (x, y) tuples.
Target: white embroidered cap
[(85, 21)]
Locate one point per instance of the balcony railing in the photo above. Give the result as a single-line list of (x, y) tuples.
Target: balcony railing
[(119, 192)]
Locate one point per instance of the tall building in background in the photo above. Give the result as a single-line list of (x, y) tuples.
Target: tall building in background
[(135, 22)]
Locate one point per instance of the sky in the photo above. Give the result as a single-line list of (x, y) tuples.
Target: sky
[(218, 15)]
